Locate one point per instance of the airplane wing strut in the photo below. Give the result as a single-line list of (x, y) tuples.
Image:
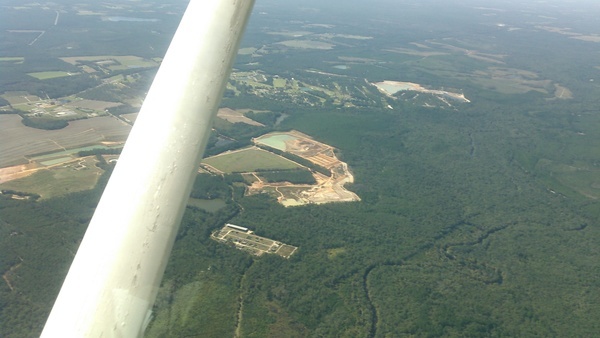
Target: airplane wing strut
[(113, 281)]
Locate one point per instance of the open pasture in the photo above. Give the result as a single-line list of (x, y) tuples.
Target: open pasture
[(489, 70), (291, 34), (92, 105), (16, 98), (249, 159), (562, 92), (279, 82), (511, 80), (132, 61), (130, 117), (113, 62), (307, 44), (413, 52), (568, 178), (77, 175), (13, 60), (19, 141), (50, 74)]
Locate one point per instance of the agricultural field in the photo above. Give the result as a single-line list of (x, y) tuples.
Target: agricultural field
[(13, 60), (579, 177), (129, 118), (279, 83), (58, 180), (50, 74), (307, 44), (111, 62), (488, 69), (92, 105), (18, 171), (18, 98), (247, 160), (19, 141), (213, 205)]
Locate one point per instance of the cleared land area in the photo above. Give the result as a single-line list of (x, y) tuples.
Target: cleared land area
[(15, 98), (19, 141), (392, 87), (249, 242), (235, 116), (247, 160), (12, 59), (113, 62), (50, 75), (511, 80), (307, 44), (327, 189), (302, 145), (93, 105), (130, 117), (18, 171), (77, 175), (562, 92), (250, 161), (434, 56)]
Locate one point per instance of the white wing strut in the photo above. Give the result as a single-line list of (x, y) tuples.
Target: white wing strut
[(112, 283)]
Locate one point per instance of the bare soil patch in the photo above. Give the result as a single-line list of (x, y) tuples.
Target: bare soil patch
[(327, 190), (562, 92), (234, 116)]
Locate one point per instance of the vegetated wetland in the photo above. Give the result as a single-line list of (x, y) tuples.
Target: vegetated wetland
[(475, 218)]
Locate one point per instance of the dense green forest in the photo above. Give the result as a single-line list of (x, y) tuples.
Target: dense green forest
[(476, 219)]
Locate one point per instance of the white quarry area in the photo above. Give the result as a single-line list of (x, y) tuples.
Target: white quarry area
[(392, 87)]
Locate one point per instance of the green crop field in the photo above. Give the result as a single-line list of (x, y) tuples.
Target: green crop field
[(49, 75), (15, 59), (279, 83), (249, 159), (59, 181), (307, 44)]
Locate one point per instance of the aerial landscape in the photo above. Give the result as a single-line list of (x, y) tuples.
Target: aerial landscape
[(384, 168)]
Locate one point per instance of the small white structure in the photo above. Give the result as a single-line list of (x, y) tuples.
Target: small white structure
[(237, 227)]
